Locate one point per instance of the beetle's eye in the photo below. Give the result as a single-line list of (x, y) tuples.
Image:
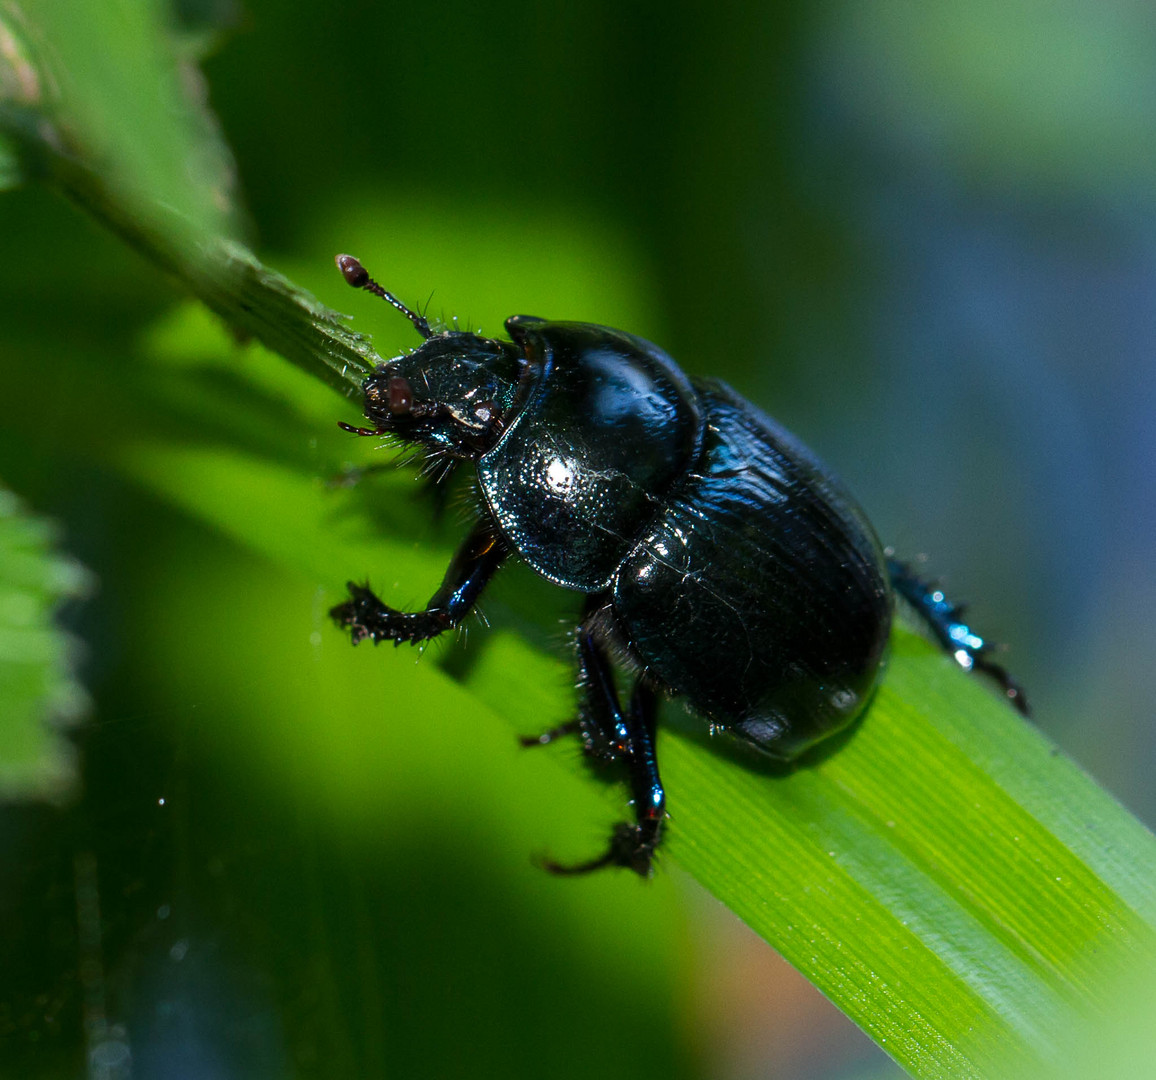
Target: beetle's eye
[(400, 396)]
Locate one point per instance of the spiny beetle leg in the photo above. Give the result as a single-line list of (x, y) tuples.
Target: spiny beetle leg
[(470, 570), (629, 737), (945, 621)]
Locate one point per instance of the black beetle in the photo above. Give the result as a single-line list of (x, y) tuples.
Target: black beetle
[(719, 558)]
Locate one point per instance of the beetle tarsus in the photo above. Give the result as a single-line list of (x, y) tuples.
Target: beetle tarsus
[(368, 618), (631, 847), (1011, 689), (944, 619)]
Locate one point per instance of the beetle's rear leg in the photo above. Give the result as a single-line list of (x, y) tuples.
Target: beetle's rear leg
[(945, 620), (470, 570), (613, 735)]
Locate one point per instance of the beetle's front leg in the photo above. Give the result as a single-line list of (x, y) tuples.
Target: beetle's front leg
[(470, 570)]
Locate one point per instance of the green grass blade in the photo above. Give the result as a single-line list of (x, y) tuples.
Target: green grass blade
[(960, 889), (107, 85), (105, 114)]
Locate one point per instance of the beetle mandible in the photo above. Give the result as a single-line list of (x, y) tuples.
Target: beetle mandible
[(716, 553)]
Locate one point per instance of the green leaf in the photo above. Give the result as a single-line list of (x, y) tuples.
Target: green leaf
[(108, 86), (38, 692), (106, 115), (950, 880)]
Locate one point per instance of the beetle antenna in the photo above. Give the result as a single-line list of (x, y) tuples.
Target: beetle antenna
[(357, 276)]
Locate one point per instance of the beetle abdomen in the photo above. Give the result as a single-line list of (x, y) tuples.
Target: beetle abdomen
[(760, 593)]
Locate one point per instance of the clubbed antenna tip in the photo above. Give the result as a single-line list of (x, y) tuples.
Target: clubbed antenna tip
[(352, 270), (357, 276)]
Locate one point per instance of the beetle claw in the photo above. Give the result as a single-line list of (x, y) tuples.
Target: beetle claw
[(631, 847)]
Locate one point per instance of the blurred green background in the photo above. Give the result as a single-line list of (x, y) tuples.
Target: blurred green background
[(922, 237)]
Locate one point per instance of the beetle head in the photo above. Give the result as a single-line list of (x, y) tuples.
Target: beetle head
[(451, 395)]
